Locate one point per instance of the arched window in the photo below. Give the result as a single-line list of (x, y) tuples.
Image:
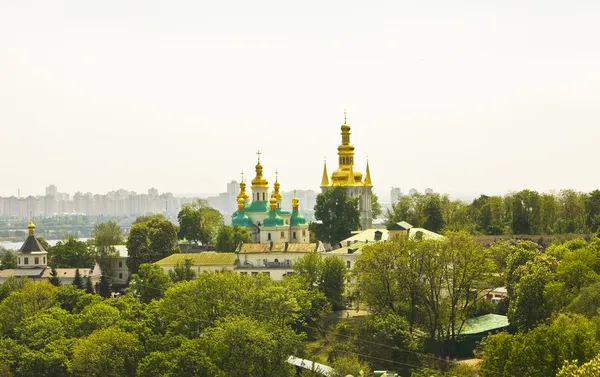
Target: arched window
[(276, 260), (264, 197), (294, 235), (19, 260), (44, 260), (269, 236)]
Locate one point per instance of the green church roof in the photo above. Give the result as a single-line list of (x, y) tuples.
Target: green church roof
[(273, 220), (258, 206), (241, 219), (297, 219)]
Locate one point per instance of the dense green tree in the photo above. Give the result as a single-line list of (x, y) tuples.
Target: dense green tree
[(526, 206), (11, 284), (109, 352), (78, 280), (593, 211), (89, 287), (310, 269), (255, 348), (104, 237), (230, 237), (104, 286), (150, 241), (338, 215), (44, 327), (71, 298), (528, 302), (9, 260), (333, 281), (54, 279), (436, 281), (51, 361), (542, 351), (572, 369), (70, 254), (182, 272), (97, 316), (199, 222), (402, 210), (149, 283), (31, 299), (573, 217), (376, 210), (434, 219)]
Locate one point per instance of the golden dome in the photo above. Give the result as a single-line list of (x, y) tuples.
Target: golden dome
[(276, 194), (259, 180), (241, 202), (295, 202), (242, 193), (31, 228), (341, 177), (273, 203)]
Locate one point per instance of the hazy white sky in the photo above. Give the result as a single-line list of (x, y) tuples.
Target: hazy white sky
[(460, 96)]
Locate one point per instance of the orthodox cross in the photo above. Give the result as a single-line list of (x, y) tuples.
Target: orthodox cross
[(258, 154)]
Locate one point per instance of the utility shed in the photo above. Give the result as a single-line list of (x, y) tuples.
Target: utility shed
[(473, 332), (476, 329)]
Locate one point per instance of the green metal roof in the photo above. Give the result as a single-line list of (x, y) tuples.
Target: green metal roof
[(402, 225), (273, 220), (297, 219), (258, 206), (484, 323), (241, 219), (207, 258)]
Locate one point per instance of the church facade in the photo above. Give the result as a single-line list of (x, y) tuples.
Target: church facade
[(264, 216), (350, 179)]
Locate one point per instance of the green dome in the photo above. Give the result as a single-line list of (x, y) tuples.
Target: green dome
[(297, 219), (273, 220), (241, 220)]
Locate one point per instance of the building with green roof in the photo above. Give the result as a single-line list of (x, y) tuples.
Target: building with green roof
[(263, 215)]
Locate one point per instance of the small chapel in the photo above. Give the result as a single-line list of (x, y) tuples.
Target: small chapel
[(264, 216)]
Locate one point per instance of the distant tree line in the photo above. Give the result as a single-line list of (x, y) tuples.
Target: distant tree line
[(523, 212)]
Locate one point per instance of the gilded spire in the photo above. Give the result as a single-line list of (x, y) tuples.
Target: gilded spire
[(276, 194), (368, 175), (242, 193), (351, 181), (259, 181), (31, 227), (325, 179), (295, 202)]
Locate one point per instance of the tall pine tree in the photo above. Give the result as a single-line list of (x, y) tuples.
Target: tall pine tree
[(89, 287), (104, 287), (54, 279), (78, 280)]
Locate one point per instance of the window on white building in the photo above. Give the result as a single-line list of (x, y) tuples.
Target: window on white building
[(294, 235), (282, 235), (120, 264), (348, 264), (26, 260), (37, 260), (269, 236)]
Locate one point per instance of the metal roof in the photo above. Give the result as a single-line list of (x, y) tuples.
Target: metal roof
[(484, 323), (207, 258)]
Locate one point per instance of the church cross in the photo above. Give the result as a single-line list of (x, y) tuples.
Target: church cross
[(258, 154)]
